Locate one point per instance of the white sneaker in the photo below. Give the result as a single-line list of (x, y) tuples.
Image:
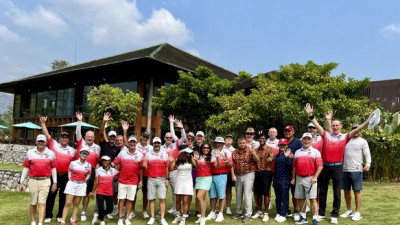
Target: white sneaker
[(220, 217), (281, 219), (228, 211), (296, 217), (171, 211), (334, 220), (59, 219), (265, 217), (357, 216), (320, 218), (83, 217), (211, 216), (145, 215), (203, 221), (198, 220), (177, 219), (183, 221), (131, 215), (127, 221), (95, 219), (33, 223), (258, 214), (277, 216), (109, 216), (115, 210), (151, 220), (120, 221), (270, 206), (163, 222), (348, 213), (102, 223), (47, 220)]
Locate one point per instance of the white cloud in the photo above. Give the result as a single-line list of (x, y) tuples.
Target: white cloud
[(7, 35), (39, 19), (391, 29)]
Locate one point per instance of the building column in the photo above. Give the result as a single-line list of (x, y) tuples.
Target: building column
[(149, 109)]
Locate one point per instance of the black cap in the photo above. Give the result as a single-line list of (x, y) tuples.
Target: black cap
[(229, 135), (145, 134), (64, 134)]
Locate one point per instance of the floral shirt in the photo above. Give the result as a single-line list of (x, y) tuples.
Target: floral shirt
[(267, 156), (243, 161)]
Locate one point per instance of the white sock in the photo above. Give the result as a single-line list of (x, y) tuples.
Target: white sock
[(315, 217), (303, 215)]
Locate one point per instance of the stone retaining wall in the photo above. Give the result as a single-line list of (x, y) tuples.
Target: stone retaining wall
[(9, 179), (13, 153)]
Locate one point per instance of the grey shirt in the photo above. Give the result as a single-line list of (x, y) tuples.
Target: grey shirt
[(355, 149)]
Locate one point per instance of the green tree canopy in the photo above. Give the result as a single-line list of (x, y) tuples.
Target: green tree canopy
[(194, 98), (282, 95), (112, 99), (59, 64)]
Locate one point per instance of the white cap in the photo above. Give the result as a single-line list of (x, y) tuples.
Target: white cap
[(41, 137), (201, 133), (132, 138), (156, 139), (311, 125), (188, 150), (307, 135), (112, 133), (105, 157), (219, 140)]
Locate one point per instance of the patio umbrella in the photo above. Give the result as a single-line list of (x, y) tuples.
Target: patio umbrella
[(3, 127), (83, 124), (29, 125)]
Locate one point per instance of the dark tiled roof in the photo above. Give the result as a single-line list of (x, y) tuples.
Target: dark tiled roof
[(164, 53)]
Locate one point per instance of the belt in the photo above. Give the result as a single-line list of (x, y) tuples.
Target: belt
[(78, 182), (39, 178), (217, 174), (333, 164)]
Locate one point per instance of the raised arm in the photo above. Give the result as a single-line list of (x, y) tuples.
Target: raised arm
[(171, 119), (183, 133), (217, 155), (78, 130), (43, 120), (309, 110), (125, 127), (106, 118), (195, 159), (359, 128), (328, 118)]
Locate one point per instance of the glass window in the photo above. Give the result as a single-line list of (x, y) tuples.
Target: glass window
[(131, 86), (17, 106), (145, 98), (46, 103), (32, 105), (85, 103), (65, 102)]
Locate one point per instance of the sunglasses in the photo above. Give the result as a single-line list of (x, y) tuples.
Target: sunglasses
[(84, 153), (312, 128), (168, 137), (249, 134), (190, 139), (206, 147)]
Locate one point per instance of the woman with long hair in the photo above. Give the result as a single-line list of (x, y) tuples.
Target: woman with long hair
[(204, 179), (184, 184)]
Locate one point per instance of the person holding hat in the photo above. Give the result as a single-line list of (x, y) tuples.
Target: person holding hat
[(282, 178), (332, 156), (65, 154), (93, 158), (249, 134), (244, 159), (219, 178), (353, 169), (307, 166), (39, 164), (230, 183), (103, 187), (156, 163), (79, 172), (130, 177), (184, 187)]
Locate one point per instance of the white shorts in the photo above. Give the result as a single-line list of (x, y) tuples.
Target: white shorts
[(127, 191), (75, 189)]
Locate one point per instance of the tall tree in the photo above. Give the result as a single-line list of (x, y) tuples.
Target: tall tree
[(59, 64)]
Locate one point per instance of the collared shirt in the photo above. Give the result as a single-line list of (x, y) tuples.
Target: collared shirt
[(334, 145), (306, 161), (105, 178), (318, 143), (204, 169), (267, 156), (243, 161), (283, 168), (254, 143), (156, 164), (94, 152), (79, 170), (40, 164), (273, 144), (168, 148), (64, 156), (295, 145), (109, 150), (130, 166), (230, 149), (223, 167), (144, 150)]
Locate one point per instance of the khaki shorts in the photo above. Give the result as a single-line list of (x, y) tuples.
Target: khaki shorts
[(156, 187), (38, 190), (127, 191), (304, 189)]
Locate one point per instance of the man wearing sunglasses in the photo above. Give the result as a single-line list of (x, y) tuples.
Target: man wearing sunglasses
[(249, 136)]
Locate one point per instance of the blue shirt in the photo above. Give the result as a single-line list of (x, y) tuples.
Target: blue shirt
[(283, 168), (295, 145)]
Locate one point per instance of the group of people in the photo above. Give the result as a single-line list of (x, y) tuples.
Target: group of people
[(119, 166)]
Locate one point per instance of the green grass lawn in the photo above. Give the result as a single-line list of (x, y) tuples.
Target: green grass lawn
[(9, 166), (380, 206)]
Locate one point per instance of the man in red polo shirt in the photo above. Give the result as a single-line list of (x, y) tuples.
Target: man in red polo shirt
[(332, 156), (65, 154), (39, 165)]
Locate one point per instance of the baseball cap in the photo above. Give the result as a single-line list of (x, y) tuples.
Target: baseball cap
[(112, 133), (106, 157), (64, 134), (201, 133), (188, 150), (145, 134), (311, 125), (229, 135), (282, 141), (156, 139), (41, 137), (219, 140), (84, 150), (289, 127), (132, 138), (306, 135)]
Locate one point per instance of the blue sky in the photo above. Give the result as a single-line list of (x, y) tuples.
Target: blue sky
[(253, 36)]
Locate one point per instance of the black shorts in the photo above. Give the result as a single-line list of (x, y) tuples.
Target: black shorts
[(144, 187), (262, 182), (90, 182), (230, 182)]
